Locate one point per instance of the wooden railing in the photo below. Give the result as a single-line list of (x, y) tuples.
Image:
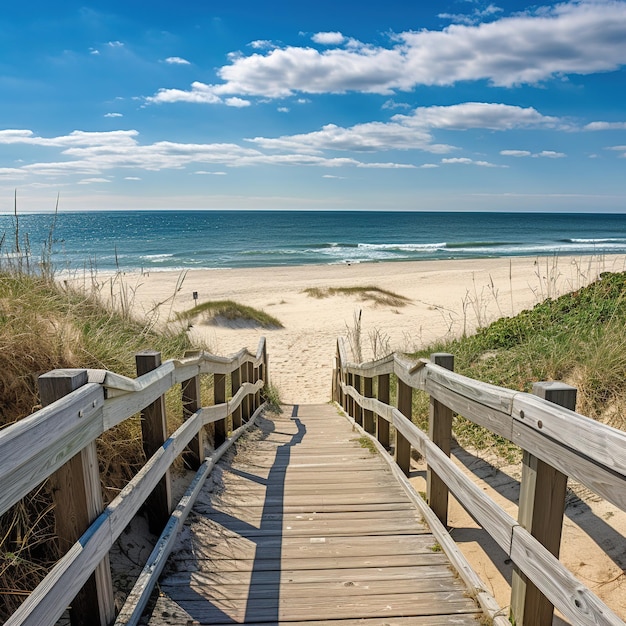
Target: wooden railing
[(557, 443), (58, 441)]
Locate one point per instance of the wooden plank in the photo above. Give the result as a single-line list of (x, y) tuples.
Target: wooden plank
[(428, 603), (189, 590), (38, 445)]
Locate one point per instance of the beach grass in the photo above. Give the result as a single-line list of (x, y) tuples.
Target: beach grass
[(45, 326), (229, 312), (371, 293), (577, 338)]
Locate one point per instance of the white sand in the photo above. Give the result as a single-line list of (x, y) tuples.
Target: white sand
[(445, 298)]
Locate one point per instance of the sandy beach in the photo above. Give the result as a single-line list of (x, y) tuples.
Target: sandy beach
[(443, 298)]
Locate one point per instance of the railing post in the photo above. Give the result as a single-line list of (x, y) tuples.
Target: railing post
[(541, 510), (350, 383), (235, 384), (382, 425), (245, 405), (358, 411), (77, 496), (403, 447), (191, 403), (440, 433), (154, 435), (219, 397), (252, 405), (368, 415)]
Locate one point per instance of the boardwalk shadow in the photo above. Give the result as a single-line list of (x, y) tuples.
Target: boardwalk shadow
[(264, 593)]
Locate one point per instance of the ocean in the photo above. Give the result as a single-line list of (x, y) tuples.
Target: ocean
[(177, 240)]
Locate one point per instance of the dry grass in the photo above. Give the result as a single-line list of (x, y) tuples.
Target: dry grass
[(44, 326), (378, 296)]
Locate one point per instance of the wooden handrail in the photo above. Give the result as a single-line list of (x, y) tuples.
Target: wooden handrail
[(37, 446), (592, 453)]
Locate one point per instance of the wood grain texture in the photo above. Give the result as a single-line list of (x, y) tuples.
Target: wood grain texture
[(282, 537)]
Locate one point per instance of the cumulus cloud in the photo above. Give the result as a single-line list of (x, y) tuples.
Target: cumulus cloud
[(329, 39), (581, 37), (113, 115), (177, 61), (414, 131), (605, 126)]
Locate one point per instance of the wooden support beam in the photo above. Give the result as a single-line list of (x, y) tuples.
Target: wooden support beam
[(350, 383), (154, 435), (194, 455), (382, 425), (541, 510), (440, 433), (358, 411), (235, 384), (403, 447), (77, 496), (368, 415), (219, 397)]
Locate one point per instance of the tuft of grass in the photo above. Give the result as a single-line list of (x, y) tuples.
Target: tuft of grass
[(368, 444), (378, 296), (228, 311)]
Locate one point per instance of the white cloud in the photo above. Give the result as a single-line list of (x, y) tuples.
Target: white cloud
[(94, 51), (328, 39), (550, 154), (414, 131), (473, 18), (132, 178), (283, 109), (335, 177), (493, 116), (113, 115), (580, 37), (89, 181), (115, 44), (237, 102), (516, 153), (260, 44), (177, 61), (466, 161), (605, 126), (93, 154)]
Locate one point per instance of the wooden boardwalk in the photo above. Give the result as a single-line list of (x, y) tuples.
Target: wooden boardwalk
[(306, 526)]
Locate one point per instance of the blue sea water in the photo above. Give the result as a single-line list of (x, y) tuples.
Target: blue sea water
[(175, 240)]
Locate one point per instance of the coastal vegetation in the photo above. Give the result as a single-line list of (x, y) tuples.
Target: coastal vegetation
[(230, 313), (370, 293), (45, 325), (577, 338)]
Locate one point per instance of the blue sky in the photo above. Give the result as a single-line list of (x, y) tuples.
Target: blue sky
[(455, 105)]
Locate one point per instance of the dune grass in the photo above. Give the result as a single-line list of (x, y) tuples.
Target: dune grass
[(378, 296), (577, 338), (230, 312), (44, 326)]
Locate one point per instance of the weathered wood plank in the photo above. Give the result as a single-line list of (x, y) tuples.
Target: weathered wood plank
[(307, 543)]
